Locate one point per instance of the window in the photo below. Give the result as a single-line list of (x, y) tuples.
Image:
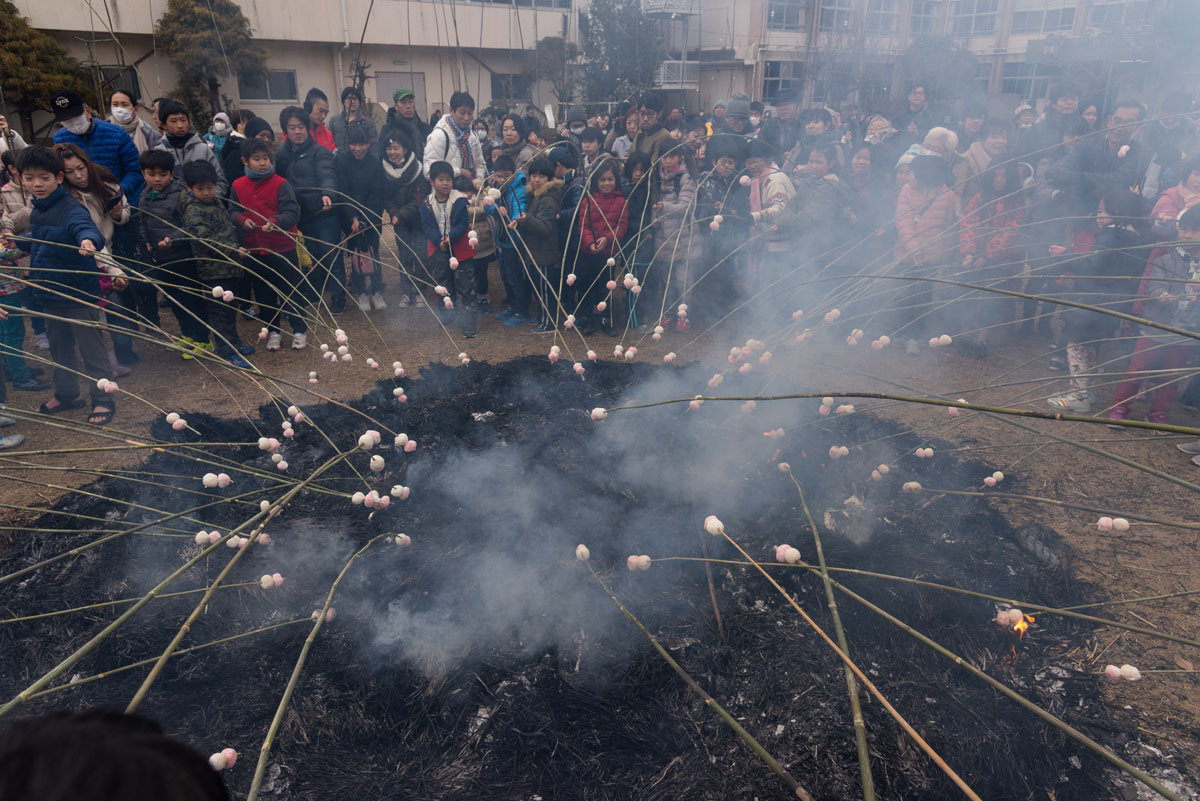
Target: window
[(1029, 81), (835, 15), (1116, 15), (510, 87), (272, 86), (983, 76), (832, 86), (924, 17), (1048, 21), (565, 4), (786, 15), (975, 18), (118, 77), (779, 75), (881, 17)]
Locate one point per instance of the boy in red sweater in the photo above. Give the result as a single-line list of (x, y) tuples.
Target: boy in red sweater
[(265, 211)]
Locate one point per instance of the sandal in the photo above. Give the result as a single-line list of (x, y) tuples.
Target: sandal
[(63, 406), (102, 417)]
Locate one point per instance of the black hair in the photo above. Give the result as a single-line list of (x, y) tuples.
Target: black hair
[(540, 166), (131, 93), (440, 168), (398, 136), (351, 90), (1189, 220), (357, 135), (518, 125), (1064, 89), (721, 145), (158, 101), (101, 754), (592, 135), (1188, 167), (157, 160), (827, 149), (9, 159), (1131, 103), (605, 166), (695, 123), (465, 185), (169, 108), (996, 125), (623, 109), (564, 155), (243, 116), (505, 163), (930, 171), (653, 102), (819, 115), (757, 148), (199, 172), (1123, 206), (757, 105), (253, 145), (43, 158), (294, 112), (637, 159), (1076, 125), (481, 121), (1012, 181), (313, 94), (460, 99), (975, 111)]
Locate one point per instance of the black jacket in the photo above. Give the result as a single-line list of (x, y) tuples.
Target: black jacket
[(361, 185), (309, 169), (403, 190)]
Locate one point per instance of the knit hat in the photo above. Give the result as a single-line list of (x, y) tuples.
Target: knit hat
[(907, 158), (257, 125), (718, 104), (402, 93), (576, 114), (738, 108), (221, 116)]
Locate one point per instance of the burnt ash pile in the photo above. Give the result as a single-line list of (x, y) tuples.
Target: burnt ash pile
[(483, 662)]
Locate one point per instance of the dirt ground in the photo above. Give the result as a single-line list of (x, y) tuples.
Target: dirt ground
[(1149, 560)]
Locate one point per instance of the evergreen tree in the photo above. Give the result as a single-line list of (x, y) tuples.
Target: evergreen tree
[(622, 48), (206, 40), (32, 67)]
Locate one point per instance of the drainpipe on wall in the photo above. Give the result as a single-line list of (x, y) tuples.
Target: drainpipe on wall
[(338, 79)]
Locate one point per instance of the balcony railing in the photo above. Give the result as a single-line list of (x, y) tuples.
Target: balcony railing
[(678, 75), (667, 7)]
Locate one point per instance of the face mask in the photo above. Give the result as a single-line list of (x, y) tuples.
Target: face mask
[(481, 136), (122, 115), (220, 128), (754, 121), (78, 125), (577, 130)]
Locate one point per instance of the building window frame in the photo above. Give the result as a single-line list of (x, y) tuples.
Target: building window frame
[(780, 75), (881, 17), (786, 15), (835, 15), (975, 18), (1050, 20), (283, 80), (923, 18)]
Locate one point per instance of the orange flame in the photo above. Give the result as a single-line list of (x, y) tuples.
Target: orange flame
[(1023, 625)]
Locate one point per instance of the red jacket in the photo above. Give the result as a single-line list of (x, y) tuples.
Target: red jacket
[(323, 136), (272, 200), (602, 215)]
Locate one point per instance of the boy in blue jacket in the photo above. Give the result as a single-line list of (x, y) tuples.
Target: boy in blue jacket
[(445, 221), (62, 244)]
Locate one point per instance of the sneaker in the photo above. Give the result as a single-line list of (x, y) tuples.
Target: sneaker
[(274, 340), (1117, 413), (5, 420), (484, 306), (1057, 364), (544, 327), (237, 361), (1070, 402), (1196, 461), (515, 320), (405, 301), (32, 384), (420, 302), (607, 329), (1192, 447), (205, 346), (337, 305), (188, 344), (377, 301), (245, 350), (667, 321), (364, 302), (504, 315), (42, 341), (299, 341), (682, 325), (119, 371), (11, 441)]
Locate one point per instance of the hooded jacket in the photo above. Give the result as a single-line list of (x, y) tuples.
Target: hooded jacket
[(539, 229), (59, 224), (442, 145), (456, 226), (108, 145), (214, 240), (160, 216), (192, 148), (309, 169)]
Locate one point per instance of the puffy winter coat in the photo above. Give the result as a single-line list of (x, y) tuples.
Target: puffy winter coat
[(108, 145), (1168, 273), (361, 184), (269, 199), (160, 216), (442, 145), (675, 224), (602, 216), (539, 229), (404, 188), (214, 240), (57, 225), (413, 127), (340, 127), (309, 169)]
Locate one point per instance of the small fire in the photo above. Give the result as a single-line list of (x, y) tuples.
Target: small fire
[(1022, 625)]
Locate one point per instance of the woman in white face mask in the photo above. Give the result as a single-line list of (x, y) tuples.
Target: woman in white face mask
[(218, 133), (123, 108)]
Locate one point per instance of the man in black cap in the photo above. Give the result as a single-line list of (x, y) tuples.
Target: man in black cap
[(104, 143), (785, 129), (402, 116)]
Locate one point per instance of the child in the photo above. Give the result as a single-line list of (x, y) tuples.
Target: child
[(482, 220), (404, 188), (514, 201), (9, 440), (361, 182), (265, 210), (674, 223), (925, 211), (160, 222), (445, 222), (591, 144), (1170, 290), (989, 240), (62, 246), (638, 247), (15, 205), (182, 142), (539, 232), (721, 194), (603, 220), (215, 246)]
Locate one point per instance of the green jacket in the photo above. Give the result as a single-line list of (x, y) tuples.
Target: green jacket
[(214, 241)]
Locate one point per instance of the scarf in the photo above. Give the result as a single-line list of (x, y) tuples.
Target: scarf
[(258, 176), (135, 131), (398, 173), (462, 137), (178, 142)]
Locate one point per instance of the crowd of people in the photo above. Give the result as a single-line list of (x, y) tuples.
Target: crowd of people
[(636, 217)]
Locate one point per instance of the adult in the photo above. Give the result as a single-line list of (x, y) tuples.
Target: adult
[(620, 140), (1172, 203), (9, 139), (577, 123), (1048, 132), (990, 149), (784, 129), (218, 133), (316, 104), (403, 117), (917, 111), (652, 139), (308, 167), (352, 116), (123, 106), (512, 141), (1171, 139), (104, 143), (452, 141), (972, 126), (734, 120), (1103, 163)]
